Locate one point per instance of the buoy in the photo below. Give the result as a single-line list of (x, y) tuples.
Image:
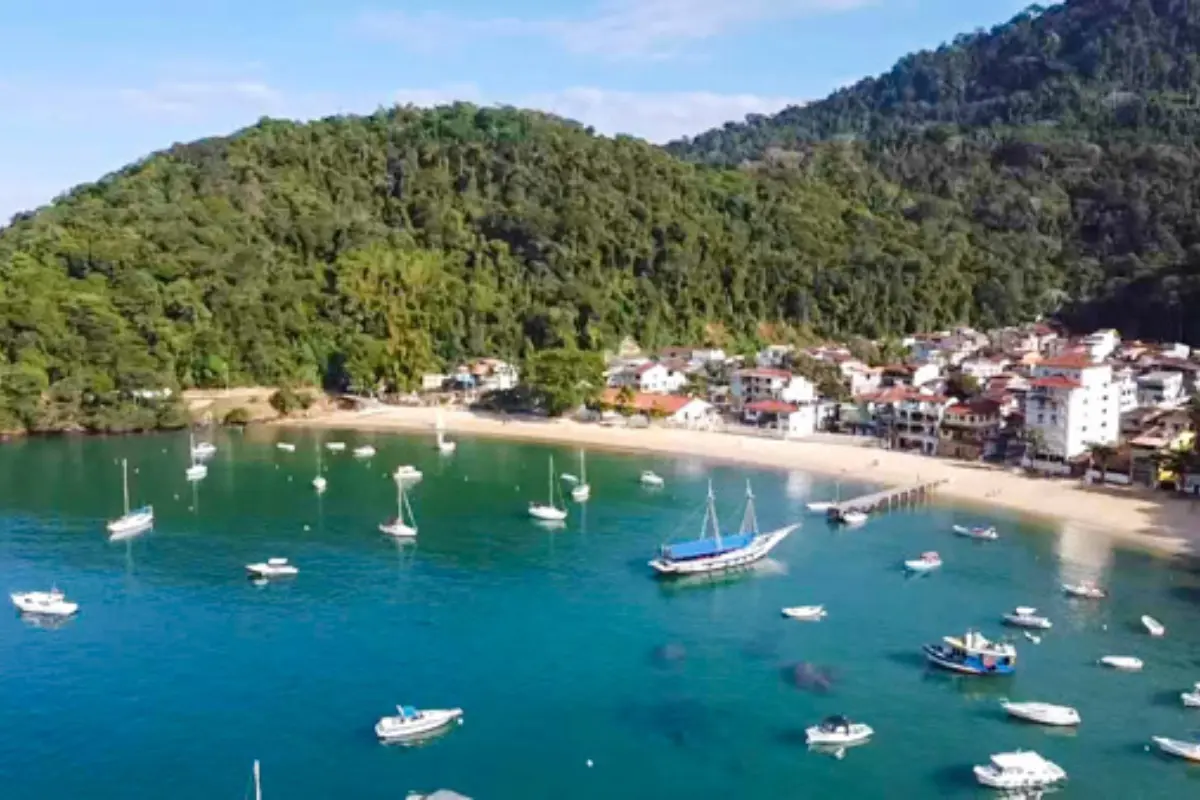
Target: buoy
[(305, 527), (589, 763)]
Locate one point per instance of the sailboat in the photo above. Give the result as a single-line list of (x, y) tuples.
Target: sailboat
[(319, 482), (397, 526), (548, 511), (444, 445), (196, 471), (130, 522), (581, 491), (713, 552), (257, 781)]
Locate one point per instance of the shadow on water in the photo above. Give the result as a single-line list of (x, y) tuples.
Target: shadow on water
[(808, 677), (682, 721), (951, 780), (1167, 699), (1188, 594), (907, 658), (792, 737)]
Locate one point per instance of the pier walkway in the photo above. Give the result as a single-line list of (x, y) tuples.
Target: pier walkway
[(887, 499)]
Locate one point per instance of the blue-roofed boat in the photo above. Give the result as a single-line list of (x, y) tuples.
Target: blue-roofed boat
[(713, 552), (973, 654)]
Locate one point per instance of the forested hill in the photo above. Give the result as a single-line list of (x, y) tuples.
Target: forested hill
[(1066, 138), (366, 250)]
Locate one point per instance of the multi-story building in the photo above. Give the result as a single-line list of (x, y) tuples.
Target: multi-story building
[(911, 375), (774, 356), (1072, 403), (971, 430), (984, 368), (650, 377), (1160, 388), (1102, 343), (1126, 386), (908, 419), (753, 385)]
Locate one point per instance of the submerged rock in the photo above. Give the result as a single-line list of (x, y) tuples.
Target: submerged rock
[(669, 654), (809, 677)]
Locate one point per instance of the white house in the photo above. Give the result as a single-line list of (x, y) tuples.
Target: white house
[(691, 412), (488, 374), (650, 377), (752, 385), (1162, 389), (789, 419), (912, 375), (1126, 386), (1102, 343), (1073, 403), (983, 368)]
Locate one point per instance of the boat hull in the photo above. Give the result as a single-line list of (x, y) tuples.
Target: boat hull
[(1004, 781), (1043, 714), (807, 613), (547, 513), (1123, 663), (918, 565), (581, 493), (760, 546), (858, 734), (269, 571), (1022, 621), (1186, 750), (57, 608), (1085, 592), (398, 529), (131, 524), (981, 534)]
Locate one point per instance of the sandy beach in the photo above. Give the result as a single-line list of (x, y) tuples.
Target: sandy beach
[(1155, 521)]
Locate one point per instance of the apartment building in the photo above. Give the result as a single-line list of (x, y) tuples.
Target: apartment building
[(1072, 403)]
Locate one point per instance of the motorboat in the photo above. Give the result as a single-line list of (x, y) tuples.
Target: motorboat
[(649, 478), (203, 450), (1178, 748), (1019, 770), (1124, 663), (1153, 626), (1027, 617), (1084, 589), (132, 521), (272, 568), (714, 552), (411, 722), (853, 517), (838, 730), (398, 525), (1192, 699), (366, 451), (973, 654), (407, 472), (819, 507), (927, 561), (335, 447), (1043, 713), (286, 447), (987, 534), (444, 445), (550, 510), (808, 613), (49, 604), (581, 491)]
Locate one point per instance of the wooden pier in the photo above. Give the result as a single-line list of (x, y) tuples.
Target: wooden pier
[(886, 500)]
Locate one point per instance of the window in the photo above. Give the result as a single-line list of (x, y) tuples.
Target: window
[(1040, 419)]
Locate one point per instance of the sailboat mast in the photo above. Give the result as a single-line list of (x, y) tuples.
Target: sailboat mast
[(711, 514), (550, 482), (125, 483), (582, 469), (257, 781), (749, 519)]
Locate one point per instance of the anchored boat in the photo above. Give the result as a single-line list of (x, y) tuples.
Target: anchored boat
[(973, 654), (131, 522), (1043, 713), (987, 534), (410, 722), (1019, 770), (1178, 748), (1027, 617), (838, 730), (47, 604)]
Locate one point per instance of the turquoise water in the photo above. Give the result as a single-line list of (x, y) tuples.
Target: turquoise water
[(178, 672)]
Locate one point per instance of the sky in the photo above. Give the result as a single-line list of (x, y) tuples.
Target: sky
[(87, 87)]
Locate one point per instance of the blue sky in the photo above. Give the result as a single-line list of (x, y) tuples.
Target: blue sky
[(88, 86)]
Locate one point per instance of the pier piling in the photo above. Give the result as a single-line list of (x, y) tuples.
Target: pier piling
[(886, 500)]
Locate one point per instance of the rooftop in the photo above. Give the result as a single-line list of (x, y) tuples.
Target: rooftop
[(771, 407), (762, 372), (1055, 382), (642, 401), (1071, 359)]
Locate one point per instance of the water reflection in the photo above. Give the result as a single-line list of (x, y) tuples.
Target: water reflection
[(799, 485), (1084, 554)]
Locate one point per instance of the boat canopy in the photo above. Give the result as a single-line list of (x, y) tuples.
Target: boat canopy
[(1019, 761), (836, 722), (277, 562), (702, 548), (408, 712)]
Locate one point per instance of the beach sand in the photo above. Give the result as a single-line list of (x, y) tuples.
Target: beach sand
[(1144, 519)]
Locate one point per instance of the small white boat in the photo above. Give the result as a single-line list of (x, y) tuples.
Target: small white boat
[(581, 491), (47, 604), (1192, 699), (398, 526), (1043, 713), (1027, 617), (407, 472), (1153, 626), (649, 478), (927, 561), (548, 511), (987, 534), (196, 472), (1178, 748), (203, 450), (131, 522), (809, 613), (1085, 589), (1019, 770), (1125, 663), (819, 507), (286, 447), (838, 730), (411, 722), (272, 568), (444, 445), (335, 447), (366, 451), (854, 517)]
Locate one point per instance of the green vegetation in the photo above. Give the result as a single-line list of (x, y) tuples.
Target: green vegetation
[(287, 401), (238, 416), (564, 379)]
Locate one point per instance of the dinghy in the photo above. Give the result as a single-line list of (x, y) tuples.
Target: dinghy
[(1084, 589), (649, 478), (927, 561), (1043, 713), (1027, 617), (1018, 771), (838, 730), (366, 451), (1124, 663), (407, 472), (335, 447), (854, 517), (286, 447), (983, 534), (581, 491), (1178, 748), (808, 613), (1153, 626)]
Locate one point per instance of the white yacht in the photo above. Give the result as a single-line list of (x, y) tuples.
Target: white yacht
[(926, 563), (581, 491), (407, 472), (1043, 713), (1027, 617), (411, 722), (272, 568), (444, 445), (550, 510), (1084, 589), (366, 451), (838, 730), (1153, 626), (286, 447), (1192, 699), (1125, 663), (649, 478), (399, 526), (807, 613), (50, 604), (1178, 748), (131, 522), (335, 447), (987, 534), (1019, 770)]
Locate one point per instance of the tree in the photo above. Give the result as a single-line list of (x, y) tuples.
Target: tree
[(962, 387), (238, 416), (1035, 442), (1099, 455), (564, 379)]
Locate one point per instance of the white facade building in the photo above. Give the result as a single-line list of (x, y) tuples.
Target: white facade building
[(789, 419), (1161, 389), (984, 369), (1102, 344), (1073, 403), (1127, 389), (774, 356), (752, 385), (649, 377)]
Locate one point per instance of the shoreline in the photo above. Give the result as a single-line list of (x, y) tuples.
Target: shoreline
[(1141, 519)]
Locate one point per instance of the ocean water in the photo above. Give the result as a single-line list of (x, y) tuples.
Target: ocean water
[(560, 646)]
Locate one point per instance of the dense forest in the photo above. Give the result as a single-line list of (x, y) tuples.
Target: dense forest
[(1044, 166), (1064, 140)]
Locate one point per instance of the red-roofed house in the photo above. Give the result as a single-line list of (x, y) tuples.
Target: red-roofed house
[(1073, 402), (791, 419), (971, 430), (690, 411)]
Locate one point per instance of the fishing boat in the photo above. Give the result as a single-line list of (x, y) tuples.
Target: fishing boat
[(272, 568), (1084, 589), (1043, 713), (335, 447), (48, 604), (131, 522), (1018, 771), (411, 722), (713, 552), (973, 654), (444, 445), (581, 491), (807, 613), (1178, 748), (195, 471), (653, 479), (548, 511), (1123, 663), (1027, 617), (286, 447), (928, 561), (1192, 699), (398, 525), (407, 472), (838, 730), (987, 534), (1153, 626), (365, 451), (818, 507)]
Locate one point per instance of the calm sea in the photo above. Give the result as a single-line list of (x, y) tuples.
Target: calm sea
[(559, 645)]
